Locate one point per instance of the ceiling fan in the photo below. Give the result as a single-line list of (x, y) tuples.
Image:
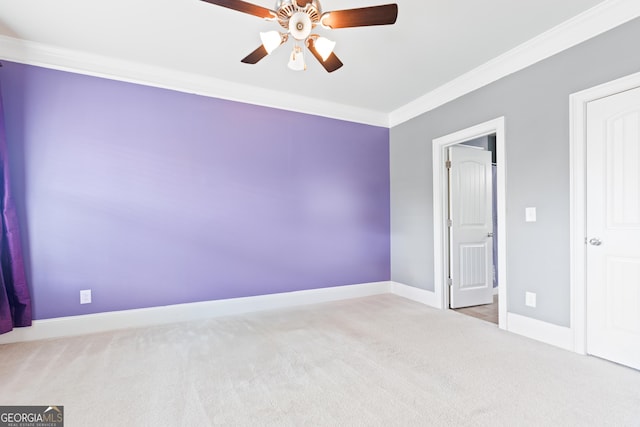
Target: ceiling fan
[(298, 18)]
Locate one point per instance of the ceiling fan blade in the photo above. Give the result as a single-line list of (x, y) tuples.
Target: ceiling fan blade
[(362, 17), (243, 6), (303, 3), (255, 56), (331, 64)]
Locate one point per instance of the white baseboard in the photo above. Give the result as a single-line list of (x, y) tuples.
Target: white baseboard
[(416, 294), (101, 322), (549, 333), (538, 330)]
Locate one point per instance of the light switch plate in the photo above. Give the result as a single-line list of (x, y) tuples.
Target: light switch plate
[(530, 214), (530, 299)]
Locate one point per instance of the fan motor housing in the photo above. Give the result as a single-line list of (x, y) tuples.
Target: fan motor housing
[(286, 9)]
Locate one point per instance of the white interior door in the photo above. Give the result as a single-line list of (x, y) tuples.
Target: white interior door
[(613, 228), (471, 227)]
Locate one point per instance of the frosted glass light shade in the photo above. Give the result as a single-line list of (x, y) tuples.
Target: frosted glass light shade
[(270, 40), (296, 60), (324, 47)]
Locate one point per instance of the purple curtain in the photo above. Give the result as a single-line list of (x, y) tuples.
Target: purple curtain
[(15, 302)]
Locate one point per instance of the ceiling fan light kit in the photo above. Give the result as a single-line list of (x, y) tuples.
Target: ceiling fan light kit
[(324, 47), (296, 60), (271, 40), (299, 18), (300, 25)]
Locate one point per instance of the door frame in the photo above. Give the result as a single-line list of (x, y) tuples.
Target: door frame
[(578, 209), (440, 182)]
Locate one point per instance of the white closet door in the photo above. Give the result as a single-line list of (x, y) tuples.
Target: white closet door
[(613, 228)]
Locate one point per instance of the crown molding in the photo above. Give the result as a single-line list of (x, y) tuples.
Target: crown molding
[(47, 56), (597, 20)]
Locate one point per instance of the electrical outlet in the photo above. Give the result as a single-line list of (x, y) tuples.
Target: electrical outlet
[(85, 296), (530, 214), (530, 299)]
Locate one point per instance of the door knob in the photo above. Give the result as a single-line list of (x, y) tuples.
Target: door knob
[(595, 242)]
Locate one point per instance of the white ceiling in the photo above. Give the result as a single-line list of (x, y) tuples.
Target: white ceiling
[(386, 67)]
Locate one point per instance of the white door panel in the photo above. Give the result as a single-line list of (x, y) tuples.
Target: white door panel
[(613, 228), (470, 212)]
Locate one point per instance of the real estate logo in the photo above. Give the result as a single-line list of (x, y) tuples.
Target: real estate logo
[(32, 416)]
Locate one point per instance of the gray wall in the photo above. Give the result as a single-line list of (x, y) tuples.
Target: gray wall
[(535, 103)]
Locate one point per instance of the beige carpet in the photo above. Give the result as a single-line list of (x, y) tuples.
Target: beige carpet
[(380, 360)]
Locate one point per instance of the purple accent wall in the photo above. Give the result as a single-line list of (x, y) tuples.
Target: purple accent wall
[(152, 197)]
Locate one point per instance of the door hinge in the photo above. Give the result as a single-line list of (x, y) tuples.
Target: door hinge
[(449, 282), (447, 164), (449, 223)]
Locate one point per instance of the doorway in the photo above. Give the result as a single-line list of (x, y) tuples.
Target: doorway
[(605, 213), (472, 239), (442, 259)]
